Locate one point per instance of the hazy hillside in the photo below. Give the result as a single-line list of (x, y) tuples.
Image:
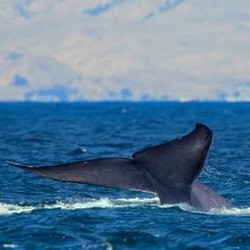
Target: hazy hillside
[(123, 49)]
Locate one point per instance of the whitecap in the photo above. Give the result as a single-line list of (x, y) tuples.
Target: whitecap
[(236, 211), (8, 209), (101, 203), (10, 246)]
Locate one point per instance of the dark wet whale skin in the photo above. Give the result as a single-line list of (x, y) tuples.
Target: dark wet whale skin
[(181, 162), (168, 170), (204, 198)]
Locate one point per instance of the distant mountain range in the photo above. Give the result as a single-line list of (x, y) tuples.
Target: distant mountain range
[(180, 50)]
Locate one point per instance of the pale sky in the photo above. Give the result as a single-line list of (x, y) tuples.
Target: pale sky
[(71, 50)]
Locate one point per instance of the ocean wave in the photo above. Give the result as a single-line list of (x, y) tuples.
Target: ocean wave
[(8, 209), (78, 151)]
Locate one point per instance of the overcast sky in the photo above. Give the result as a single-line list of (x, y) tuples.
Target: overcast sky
[(71, 50)]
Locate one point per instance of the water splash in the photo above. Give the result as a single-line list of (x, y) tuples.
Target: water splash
[(10, 246), (8, 209), (78, 151), (234, 211), (243, 211), (101, 203)]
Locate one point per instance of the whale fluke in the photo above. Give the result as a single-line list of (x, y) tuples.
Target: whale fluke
[(169, 170), (109, 172)]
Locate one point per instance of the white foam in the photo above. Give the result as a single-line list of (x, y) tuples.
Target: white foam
[(101, 203), (8, 209), (10, 246), (232, 211)]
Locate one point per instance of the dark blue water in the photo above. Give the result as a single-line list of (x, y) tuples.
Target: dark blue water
[(37, 213)]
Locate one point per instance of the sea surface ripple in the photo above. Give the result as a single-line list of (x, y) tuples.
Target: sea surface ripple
[(38, 213)]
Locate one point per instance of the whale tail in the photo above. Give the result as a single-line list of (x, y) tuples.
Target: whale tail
[(109, 172), (173, 166), (167, 170)]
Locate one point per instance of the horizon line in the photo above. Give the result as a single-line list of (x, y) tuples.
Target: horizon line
[(121, 101)]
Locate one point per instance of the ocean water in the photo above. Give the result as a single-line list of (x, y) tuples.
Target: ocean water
[(38, 213)]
